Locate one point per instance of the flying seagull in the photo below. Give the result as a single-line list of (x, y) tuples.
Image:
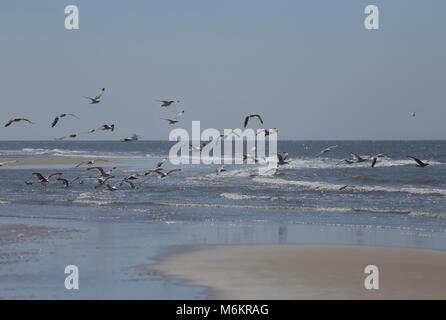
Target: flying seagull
[(63, 115), (375, 158), (110, 188), (107, 127), (160, 164), (174, 120), (7, 162), (347, 161), (326, 150), (420, 163), (357, 158), (66, 182), (96, 99), (126, 181), (102, 180), (72, 136), (43, 179), (220, 170), (166, 103), (252, 116), (268, 132), (89, 162), (280, 160), (102, 171), (165, 174), (17, 120), (153, 171)]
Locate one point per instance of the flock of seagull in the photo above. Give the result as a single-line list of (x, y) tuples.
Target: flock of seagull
[(106, 176)]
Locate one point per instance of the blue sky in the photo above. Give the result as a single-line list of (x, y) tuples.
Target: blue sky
[(309, 67)]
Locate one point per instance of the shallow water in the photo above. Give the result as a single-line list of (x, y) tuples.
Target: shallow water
[(392, 204)]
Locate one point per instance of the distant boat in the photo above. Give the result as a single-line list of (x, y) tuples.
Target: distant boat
[(134, 137)]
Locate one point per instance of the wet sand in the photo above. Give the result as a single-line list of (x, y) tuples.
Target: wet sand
[(30, 161), (307, 271), (13, 233)]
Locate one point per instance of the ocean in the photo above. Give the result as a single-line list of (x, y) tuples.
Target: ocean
[(110, 234)]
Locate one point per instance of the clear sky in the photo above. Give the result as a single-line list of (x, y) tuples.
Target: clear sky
[(309, 67)]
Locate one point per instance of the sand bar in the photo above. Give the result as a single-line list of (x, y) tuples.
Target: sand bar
[(308, 271), (31, 161)]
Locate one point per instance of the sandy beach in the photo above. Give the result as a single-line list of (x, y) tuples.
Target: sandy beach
[(49, 161), (307, 271)]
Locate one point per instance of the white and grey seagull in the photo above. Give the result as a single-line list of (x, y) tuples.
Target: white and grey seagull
[(167, 103), (268, 132), (43, 179), (165, 174), (252, 116), (106, 127), (62, 115), (96, 99), (326, 150), (7, 162), (104, 174), (17, 120), (419, 163), (174, 120), (67, 183)]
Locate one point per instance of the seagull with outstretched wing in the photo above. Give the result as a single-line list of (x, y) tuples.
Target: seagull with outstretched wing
[(17, 120), (96, 99), (252, 116)]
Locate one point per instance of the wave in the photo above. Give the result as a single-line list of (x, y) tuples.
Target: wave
[(319, 185), (235, 196), (30, 152), (112, 203)]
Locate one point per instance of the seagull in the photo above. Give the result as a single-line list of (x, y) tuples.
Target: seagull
[(43, 179), (7, 162), (160, 164), (250, 155), (268, 132), (375, 158), (88, 163), (17, 120), (174, 120), (110, 188), (63, 115), (285, 155), (193, 148), (66, 182), (165, 174), (72, 136), (107, 127), (357, 158), (281, 161), (126, 181), (158, 169), (347, 161), (96, 99), (220, 169), (102, 171), (326, 150), (252, 116), (102, 180), (224, 136), (420, 163), (166, 103)]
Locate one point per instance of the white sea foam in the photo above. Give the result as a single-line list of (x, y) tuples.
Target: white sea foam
[(320, 185)]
